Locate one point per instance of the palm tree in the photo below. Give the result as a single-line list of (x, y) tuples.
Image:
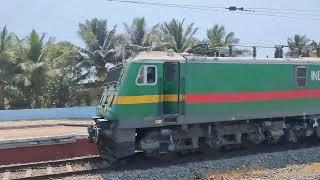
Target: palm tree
[(100, 45), (297, 45), (218, 41), (31, 70), (316, 46), (218, 37), (137, 31), (6, 68), (140, 36), (177, 36)]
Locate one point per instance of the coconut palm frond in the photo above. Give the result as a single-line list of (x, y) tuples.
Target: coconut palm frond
[(297, 45), (177, 35)]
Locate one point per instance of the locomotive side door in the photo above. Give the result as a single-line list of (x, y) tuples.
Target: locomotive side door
[(171, 85)]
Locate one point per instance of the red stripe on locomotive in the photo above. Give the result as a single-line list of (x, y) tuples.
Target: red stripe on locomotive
[(251, 96)]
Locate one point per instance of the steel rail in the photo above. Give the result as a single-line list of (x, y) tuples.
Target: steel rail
[(50, 169)]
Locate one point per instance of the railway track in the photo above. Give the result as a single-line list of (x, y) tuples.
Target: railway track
[(94, 164), (53, 169)]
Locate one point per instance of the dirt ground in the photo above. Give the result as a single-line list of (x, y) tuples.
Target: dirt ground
[(296, 172)]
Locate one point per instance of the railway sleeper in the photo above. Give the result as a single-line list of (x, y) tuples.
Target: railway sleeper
[(52, 169)]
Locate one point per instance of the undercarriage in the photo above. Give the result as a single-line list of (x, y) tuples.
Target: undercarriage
[(114, 143)]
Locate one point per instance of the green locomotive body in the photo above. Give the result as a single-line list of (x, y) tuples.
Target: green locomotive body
[(159, 103)]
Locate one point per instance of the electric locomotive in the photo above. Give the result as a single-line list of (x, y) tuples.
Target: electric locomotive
[(162, 102)]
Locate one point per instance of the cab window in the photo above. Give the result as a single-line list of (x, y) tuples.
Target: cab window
[(147, 75)]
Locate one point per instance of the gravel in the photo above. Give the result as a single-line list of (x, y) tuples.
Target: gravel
[(273, 163)]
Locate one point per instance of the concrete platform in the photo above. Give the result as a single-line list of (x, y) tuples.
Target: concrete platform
[(41, 132), (23, 137), (43, 123), (25, 144)]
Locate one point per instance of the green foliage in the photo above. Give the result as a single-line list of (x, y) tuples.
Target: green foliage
[(218, 37), (219, 42), (17, 99), (39, 72), (297, 45), (36, 71), (316, 47), (100, 45), (177, 36), (139, 35), (6, 61), (137, 31), (31, 68), (64, 74)]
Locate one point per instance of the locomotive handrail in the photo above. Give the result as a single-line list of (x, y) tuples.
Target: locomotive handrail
[(161, 96)]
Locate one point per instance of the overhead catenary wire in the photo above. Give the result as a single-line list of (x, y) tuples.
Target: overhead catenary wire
[(217, 9), (287, 9), (181, 6), (282, 10), (168, 4), (287, 13)]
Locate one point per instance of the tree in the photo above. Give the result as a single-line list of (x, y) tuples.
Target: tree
[(177, 36), (139, 34), (316, 46), (31, 54), (218, 37), (100, 45), (65, 72), (219, 43), (7, 65), (297, 45), (137, 31)]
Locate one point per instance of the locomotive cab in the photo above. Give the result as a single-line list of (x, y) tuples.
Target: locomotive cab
[(146, 89)]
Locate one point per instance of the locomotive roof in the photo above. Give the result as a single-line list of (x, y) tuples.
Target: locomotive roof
[(158, 55), (165, 56)]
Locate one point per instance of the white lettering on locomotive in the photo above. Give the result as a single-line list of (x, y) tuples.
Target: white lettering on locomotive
[(315, 75)]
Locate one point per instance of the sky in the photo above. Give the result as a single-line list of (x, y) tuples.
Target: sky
[(60, 18)]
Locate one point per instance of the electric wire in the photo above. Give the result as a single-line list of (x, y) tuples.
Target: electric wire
[(289, 13), (217, 9), (287, 9)]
